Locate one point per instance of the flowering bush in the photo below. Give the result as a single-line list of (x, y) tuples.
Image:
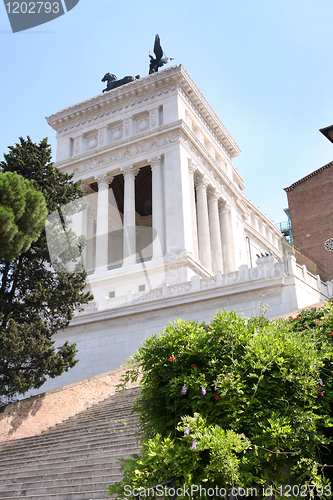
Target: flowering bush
[(244, 403)]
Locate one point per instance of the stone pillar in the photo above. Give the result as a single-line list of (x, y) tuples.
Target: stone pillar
[(91, 244), (153, 118), (82, 218), (128, 127), (102, 228), (102, 136), (158, 207), (226, 234), (129, 241), (78, 145), (89, 216), (192, 169), (215, 231), (203, 223)]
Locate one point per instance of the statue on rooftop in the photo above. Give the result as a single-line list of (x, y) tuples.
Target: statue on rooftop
[(113, 81), (159, 60)]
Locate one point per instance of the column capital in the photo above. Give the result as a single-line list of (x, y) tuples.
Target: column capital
[(129, 170), (224, 207), (104, 177), (193, 167), (201, 180), (155, 162), (212, 193)]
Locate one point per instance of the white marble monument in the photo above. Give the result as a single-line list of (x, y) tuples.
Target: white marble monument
[(170, 233)]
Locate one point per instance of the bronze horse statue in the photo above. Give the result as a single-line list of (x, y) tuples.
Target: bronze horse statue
[(113, 81)]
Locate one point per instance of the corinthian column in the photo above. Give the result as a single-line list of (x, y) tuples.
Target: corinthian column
[(215, 231), (203, 224), (129, 241), (102, 228), (227, 241), (192, 170), (158, 210), (87, 230)]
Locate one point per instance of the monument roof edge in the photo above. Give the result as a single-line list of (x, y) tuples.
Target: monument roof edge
[(175, 74), (112, 93), (201, 102)]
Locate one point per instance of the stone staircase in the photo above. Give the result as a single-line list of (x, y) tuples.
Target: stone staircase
[(74, 460)]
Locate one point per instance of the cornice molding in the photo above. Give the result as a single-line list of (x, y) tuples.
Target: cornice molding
[(223, 143), (146, 89), (91, 114)]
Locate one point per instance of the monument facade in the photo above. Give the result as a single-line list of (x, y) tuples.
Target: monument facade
[(169, 230)]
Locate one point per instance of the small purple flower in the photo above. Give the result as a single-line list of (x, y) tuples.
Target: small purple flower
[(143, 403), (203, 390), (321, 383), (298, 378), (186, 431), (194, 444), (315, 367), (184, 390), (215, 388)]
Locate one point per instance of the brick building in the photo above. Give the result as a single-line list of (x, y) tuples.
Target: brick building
[(310, 203)]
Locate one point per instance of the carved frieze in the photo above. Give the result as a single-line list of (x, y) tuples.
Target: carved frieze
[(118, 109), (123, 153), (153, 117), (92, 142), (76, 145), (142, 125), (117, 133), (127, 127), (101, 137)]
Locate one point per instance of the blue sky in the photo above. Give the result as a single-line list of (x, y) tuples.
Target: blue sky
[(265, 66)]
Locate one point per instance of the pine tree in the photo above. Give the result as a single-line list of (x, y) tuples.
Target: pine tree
[(22, 214), (36, 298)]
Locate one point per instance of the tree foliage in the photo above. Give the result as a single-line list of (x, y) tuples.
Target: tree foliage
[(239, 404), (36, 300), (22, 214)]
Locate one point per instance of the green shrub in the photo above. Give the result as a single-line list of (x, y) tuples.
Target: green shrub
[(241, 403)]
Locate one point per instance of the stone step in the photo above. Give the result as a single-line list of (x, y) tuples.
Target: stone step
[(42, 483), (79, 495), (69, 454), (105, 417), (76, 459), (85, 437), (100, 425), (10, 478), (22, 489), (99, 461)]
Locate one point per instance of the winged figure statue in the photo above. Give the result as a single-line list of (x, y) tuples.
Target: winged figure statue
[(159, 60)]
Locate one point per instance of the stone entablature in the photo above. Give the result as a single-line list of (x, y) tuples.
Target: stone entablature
[(146, 94)]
